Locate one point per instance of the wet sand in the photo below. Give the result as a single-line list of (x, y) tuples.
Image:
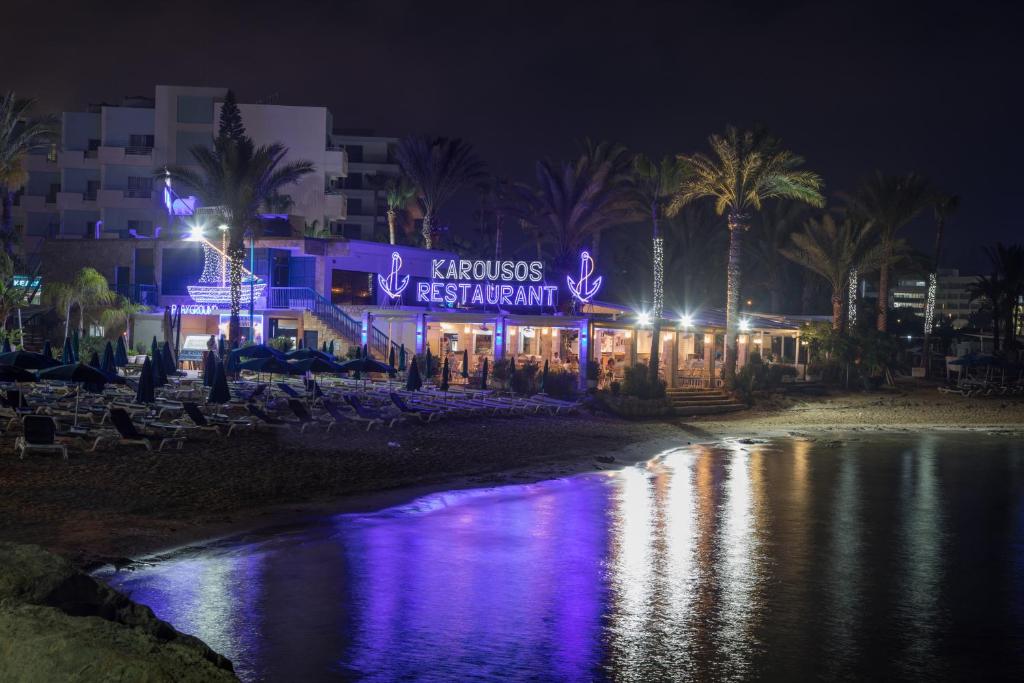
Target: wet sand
[(101, 507)]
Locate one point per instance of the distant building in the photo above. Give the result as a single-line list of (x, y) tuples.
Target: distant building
[(953, 305), (370, 160)]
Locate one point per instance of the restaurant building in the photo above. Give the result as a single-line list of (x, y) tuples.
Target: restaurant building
[(353, 293)]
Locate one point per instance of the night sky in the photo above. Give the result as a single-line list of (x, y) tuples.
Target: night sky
[(852, 86)]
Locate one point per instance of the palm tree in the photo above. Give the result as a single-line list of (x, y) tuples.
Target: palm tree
[(87, 290), (1008, 267), (438, 167), (771, 270), (615, 161), (991, 291), (570, 204), (115, 318), (238, 178), (832, 249), (745, 169), (12, 297), (945, 205), (398, 192), (20, 135), (890, 202)]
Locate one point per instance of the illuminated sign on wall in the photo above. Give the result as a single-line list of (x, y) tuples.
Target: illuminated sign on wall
[(195, 309), (393, 285), (463, 282), (584, 289)]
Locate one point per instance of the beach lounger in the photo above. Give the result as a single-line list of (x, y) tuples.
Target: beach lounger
[(289, 391), (341, 416), (426, 415), (130, 434), (212, 422), (298, 408), (40, 434), (370, 414), (269, 421)]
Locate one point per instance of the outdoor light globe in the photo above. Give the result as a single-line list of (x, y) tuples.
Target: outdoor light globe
[(643, 318), (686, 320), (744, 325)]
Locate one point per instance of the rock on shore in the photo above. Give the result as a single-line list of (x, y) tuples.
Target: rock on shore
[(59, 624)]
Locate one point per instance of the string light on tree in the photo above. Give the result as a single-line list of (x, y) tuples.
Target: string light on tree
[(851, 295), (212, 286), (659, 276), (929, 307)]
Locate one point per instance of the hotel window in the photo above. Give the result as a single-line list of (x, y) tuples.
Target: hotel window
[(355, 206), (138, 142), (139, 187), (141, 227), (352, 231), (192, 109), (355, 152)]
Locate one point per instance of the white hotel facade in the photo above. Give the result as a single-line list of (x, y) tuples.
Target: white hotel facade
[(97, 181)]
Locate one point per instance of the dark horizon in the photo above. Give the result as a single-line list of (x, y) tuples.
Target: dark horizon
[(849, 86)]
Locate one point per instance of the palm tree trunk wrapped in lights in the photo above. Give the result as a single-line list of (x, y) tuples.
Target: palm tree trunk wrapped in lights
[(945, 207), (851, 299), (745, 169)]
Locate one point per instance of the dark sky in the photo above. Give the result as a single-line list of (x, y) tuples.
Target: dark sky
[(852, 86)]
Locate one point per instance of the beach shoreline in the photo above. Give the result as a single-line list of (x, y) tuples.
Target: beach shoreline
[(112, 507)]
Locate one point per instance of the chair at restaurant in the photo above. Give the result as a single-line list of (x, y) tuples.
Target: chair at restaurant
[(40, 434)]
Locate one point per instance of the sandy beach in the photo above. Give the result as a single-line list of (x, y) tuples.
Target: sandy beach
[(101, 507)]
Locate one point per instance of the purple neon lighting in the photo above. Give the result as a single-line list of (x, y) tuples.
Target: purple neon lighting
[(584, 289)]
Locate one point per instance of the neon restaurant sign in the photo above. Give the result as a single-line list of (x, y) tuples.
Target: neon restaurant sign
[(470, 283)]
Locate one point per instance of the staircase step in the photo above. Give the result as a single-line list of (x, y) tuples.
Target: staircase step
[(709, 410)]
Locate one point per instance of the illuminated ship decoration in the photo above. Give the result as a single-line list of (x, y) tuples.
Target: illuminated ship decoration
[(214, 285)]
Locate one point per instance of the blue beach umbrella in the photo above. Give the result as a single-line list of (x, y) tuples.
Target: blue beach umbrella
[(26, 360), (221, 347), (7, 346), (391, 357), (219, 392), (47, 349), (414, 382), (209, 367), (401, 358), (330, 348), (120, 353), (465, 363), (483, 375), (157, 368), (144, 392), (107, 365), (167, 358), (67, 355), (445, 375), (75, 346)]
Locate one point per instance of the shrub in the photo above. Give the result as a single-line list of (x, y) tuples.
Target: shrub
[(776, 373), (523, 382), (282, 344), (563, 385), (87, 345), (637, 382)]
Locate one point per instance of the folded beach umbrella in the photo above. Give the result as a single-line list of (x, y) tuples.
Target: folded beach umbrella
[(391, 357), (483, 375), (75, 346), (94, 362), (511, 370), (221, 350), (413, 382), (324, 347), (219, 392), (26, 360), (157, 368), (121, 352), (144, 393), (330, 348), (107, 365), (429, 363), (167, 358), (67, 355), (209, 367), (401, 358), (465, 363), (154, 350), (445, 375), (7, 346), (47, 349), (544, 376)]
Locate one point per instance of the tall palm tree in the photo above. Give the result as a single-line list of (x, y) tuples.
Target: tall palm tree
[(438, 167), (831, 249), (398, 192), (1008, 266), (771, 232), (616, 162), (20, 135), (114, 319), (238, 178), (569, 205), (745, 168), (87, 290), (890, 202), (991, 292), (945, 205)]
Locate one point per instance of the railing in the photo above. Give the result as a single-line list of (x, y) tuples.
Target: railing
[(334, 190), (308, 299), (146, 295), (138, 194), (138, 151)]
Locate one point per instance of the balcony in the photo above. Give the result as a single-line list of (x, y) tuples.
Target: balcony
[(336, 160), (125, 199), (146, 295), (76, 200), (335, 204), (78, 158), (126, 155)]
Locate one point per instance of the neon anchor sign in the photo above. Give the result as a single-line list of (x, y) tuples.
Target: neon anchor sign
[(584, 289), (393, 285)]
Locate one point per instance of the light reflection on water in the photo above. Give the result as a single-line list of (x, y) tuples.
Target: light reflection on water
[(896, 558)]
